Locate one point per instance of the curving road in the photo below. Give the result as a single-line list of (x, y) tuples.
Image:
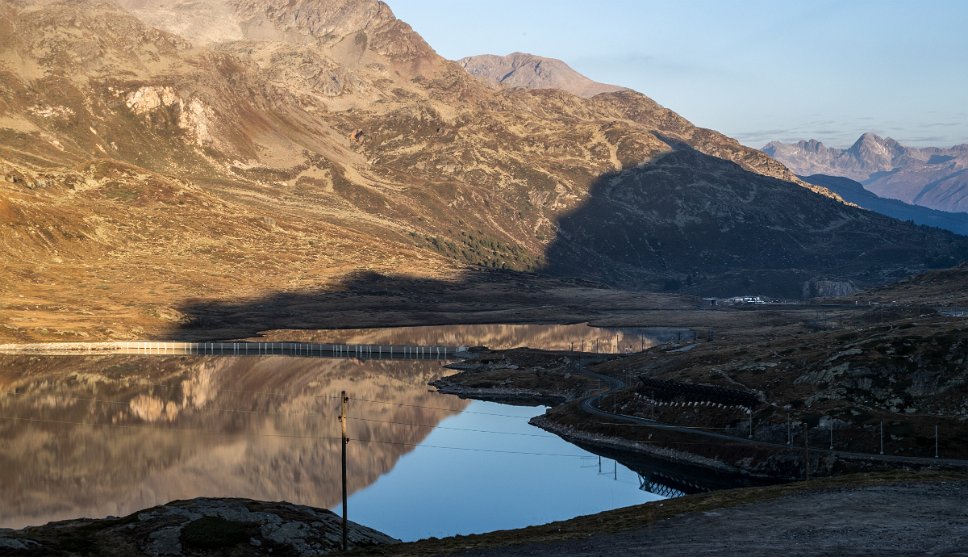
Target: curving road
[(590, 405)]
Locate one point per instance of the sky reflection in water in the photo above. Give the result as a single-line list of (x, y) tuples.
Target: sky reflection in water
[(441, 492)]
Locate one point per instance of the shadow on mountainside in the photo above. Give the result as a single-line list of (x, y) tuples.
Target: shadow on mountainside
[(685, 223)]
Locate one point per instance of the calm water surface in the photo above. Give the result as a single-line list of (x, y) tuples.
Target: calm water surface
[(440, 491), (109, 435)]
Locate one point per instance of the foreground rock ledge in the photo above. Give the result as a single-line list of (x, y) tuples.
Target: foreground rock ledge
[(197, 527)]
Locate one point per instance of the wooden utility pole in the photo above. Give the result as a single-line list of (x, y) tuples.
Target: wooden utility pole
[(806, 451), (882, 436), (342, 421)]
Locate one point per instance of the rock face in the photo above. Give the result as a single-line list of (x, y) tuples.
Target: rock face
[(932, 177), (528, 71), (827, 289), (163, 152), (199, 527)]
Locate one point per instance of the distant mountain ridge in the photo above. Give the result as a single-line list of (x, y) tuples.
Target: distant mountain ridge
[(931, 177), (528, 71), (854, 192)]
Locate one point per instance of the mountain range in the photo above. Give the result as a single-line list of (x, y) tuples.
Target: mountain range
[(158, 156), (931, 177), (854, 192)]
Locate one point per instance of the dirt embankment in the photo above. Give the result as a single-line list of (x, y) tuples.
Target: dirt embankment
[(876, 520)]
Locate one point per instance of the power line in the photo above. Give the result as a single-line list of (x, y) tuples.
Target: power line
[(215, 408), (236, 391), (303, 412), (391, 422), (250, 391), (431, 426), (660, 424), (293, 436), (436, 408), (312, 413), (361, 419), (469, 449), (168, 427)]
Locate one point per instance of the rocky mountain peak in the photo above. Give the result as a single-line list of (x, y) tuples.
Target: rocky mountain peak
[(365, 24), (812, 145), (934, 177), (875, 152), (215, 21), (528, 71), (811, 149), (872, 142), (772, 147)]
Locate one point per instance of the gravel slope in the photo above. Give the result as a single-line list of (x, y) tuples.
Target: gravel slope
[(912, 519)]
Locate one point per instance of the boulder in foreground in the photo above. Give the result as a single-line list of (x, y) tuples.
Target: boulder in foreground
[(199, 526)]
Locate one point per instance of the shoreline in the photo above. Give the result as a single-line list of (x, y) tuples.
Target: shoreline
[(625, 450), (515, 397), (536, 377), (634, 448), (238, 348)]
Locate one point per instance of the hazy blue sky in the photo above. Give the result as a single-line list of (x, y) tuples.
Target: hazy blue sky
[(754, 69)]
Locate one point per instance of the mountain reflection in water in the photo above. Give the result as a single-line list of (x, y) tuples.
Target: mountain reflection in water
[(499, 336), (109, 435)]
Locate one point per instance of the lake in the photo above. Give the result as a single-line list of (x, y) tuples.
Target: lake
[(107, 435)]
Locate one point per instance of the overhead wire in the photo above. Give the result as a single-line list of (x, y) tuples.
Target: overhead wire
[(258, 392), (271, 413), (663, 425), (355, 418), (296, 436), (468, 449), (437, 408), (304, 412), (362, 419), (147, 425), (214, 408), (432, 426)]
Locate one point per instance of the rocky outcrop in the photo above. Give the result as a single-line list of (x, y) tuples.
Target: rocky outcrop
[(828, 288), (194, 117), (533, 72), (199, 527)]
